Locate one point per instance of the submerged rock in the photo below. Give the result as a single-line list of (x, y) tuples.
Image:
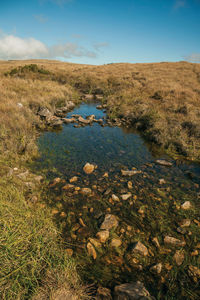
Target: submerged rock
[(68, 187), (103, 235), (86, 191), (88, 168), (116, 242), (109, 222), (163, 162), (139, 248), (126, 196), (130, 172), (73, 179), (194, 271), (156, 242), (115, 198), (186, 205), (185, 223), (156, 269), (171, 241), (179, 257), (91, 250), (131, 291)]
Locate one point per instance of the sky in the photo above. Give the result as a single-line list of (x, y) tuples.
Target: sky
[(100, 31)]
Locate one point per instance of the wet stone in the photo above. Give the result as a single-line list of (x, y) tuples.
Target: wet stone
[(186, 205), (86, 191), (115, 198), (163, 162), (139, 248), (156, 269), (171, 241), (109, 222), (126, 196), (130, 172), (103, 235), (179, 257), (88, 168), (131, 291), (73, 179), (91, 250), (116, 242)]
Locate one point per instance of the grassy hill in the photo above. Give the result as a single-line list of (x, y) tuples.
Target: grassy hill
[(162, 100)]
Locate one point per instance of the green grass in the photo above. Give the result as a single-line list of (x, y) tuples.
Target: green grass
[(30, 247)]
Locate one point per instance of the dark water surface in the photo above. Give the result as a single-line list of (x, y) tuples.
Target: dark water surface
[(153, 209)]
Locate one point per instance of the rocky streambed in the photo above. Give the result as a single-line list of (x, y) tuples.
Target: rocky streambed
[(128, 213)]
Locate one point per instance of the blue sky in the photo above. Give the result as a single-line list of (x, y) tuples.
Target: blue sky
[(99, 32)]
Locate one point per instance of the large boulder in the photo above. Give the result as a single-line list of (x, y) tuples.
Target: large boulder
[(131, 291)]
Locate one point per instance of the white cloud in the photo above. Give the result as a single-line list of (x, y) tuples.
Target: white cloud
[(12, 47), (194, 57), (98, 46)]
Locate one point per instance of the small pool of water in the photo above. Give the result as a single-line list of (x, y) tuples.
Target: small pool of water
[(153, 210)]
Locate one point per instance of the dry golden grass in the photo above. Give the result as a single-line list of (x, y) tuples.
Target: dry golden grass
[(162, 100)]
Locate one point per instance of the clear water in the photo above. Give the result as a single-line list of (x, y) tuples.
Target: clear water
[(64, 154), (110, 148)]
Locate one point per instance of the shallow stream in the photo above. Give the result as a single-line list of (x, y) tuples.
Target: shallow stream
[(152, 210)]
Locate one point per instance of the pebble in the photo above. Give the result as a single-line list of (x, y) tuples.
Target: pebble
[(103, 235), (186, 205)]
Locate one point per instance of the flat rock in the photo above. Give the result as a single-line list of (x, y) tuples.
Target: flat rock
[(109, 222), (68, 187), (86, 191), (88, 168), (73, 179), (68, 121), (116, 242), (131, 291), (115, 198), (171, 241), (126, 196), (84, 121), (130, 172), (103, 235), (139, 248), (163, 162)]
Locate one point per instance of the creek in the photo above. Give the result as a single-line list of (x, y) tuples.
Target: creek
[(152, 210)]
